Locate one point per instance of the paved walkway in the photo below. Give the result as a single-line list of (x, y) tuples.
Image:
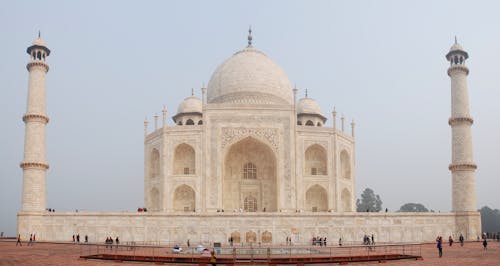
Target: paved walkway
[(68, 254)]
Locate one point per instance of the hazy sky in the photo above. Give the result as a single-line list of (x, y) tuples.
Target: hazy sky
[(380, 62)]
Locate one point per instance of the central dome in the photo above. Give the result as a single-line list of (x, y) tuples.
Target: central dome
[(249, 77)]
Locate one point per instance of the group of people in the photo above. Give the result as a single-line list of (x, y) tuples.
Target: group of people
[(288, 240), (367, 240), (142, 209), (76, 239), (109, 242), (319, 241), (50, 210), (439, 243)]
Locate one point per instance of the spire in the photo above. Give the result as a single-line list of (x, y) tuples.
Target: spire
[(456, 39), (249, 36), (306, 93), (39, 35), (192, 92)]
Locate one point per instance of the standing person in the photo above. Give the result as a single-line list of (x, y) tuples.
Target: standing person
[(86, 238), (373, 239), (78, 238), (117, 242), (340, 241), (213, 259), (324, 241), (31, 240), (461, 238), (450, 240), (485, 244), (19, 240), (439, 241), (188, 244), (73, 238), (34, 237)]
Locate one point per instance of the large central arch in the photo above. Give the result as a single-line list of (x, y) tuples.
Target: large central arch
[(250, 175)]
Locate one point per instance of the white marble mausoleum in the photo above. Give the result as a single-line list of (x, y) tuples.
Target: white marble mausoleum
[(249, 160)]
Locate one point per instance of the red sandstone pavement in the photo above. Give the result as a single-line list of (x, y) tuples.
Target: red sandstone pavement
[(68, 254)]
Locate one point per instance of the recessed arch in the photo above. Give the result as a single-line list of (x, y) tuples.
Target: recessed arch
[(261, 181), (200, 122), (251, 237), (299, 123), (184, 199), (315, 160), (346, 200), (184, 160), (267, 237), (154, 165), (316, 199), (190, 122), (154, 199), (345, 165), (235, 236), (309, 123), (318, 124)]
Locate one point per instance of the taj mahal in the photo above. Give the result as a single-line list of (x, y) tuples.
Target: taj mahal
[(248, 160)]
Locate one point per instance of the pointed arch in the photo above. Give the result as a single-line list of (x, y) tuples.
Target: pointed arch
[(154, 164), (184, 160), (345, 165), (315, 160), (316, 199), (309, 123), (346, 200), (251, 237), (267, 237), (190, 122), (236, 237), (154, 199), (184, 199)]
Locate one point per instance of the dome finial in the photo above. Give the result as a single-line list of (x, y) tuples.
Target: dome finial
[(192, 92), (306, 93), (250, 36), (456, 39), (39, 35)]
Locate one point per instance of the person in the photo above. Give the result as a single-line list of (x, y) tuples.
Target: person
[(314, 241), (373, 240), (188, 243), (19, 240), (320, 240), (461, 238), (31, 240), (117, 241), (78, 238), (324, 241), (86, 238), (450, 240), (340, 241), (213, 259), (73, 238), (439, 241), (485, 244), (34, 237)]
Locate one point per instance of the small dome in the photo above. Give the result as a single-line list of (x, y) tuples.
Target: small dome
[(456, 47), (39, 42), (191, 104), (308, 106), (249, 77)]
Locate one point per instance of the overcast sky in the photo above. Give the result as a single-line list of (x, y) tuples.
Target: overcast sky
[(380, 62)]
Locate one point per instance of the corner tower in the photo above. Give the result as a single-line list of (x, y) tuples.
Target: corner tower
[(462, 165), (34, 164)]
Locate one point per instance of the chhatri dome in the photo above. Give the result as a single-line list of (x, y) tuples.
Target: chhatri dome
[(249, 77), (308, 105), (191, 104)]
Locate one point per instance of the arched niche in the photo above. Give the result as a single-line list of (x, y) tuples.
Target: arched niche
[(154, 199), (346, 200), (242, 179), (315, 160), (345, 165), (316, 199), (184, 199), (251, 237), (184, 160), (154, 164)]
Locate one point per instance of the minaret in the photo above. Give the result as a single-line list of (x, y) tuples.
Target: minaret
[(35, 164), (462, 165)]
